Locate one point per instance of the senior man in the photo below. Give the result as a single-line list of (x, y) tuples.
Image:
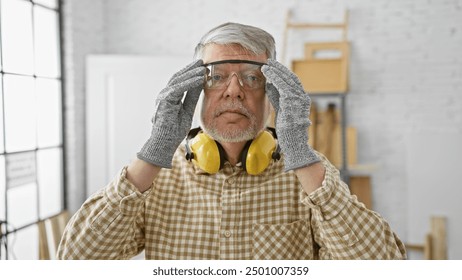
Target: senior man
[(236, 189)]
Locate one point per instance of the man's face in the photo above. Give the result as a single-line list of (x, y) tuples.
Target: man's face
[(233, 112)]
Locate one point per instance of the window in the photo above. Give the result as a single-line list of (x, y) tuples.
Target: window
[(31, 130)]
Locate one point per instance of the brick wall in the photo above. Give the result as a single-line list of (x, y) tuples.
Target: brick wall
[(83, 29)]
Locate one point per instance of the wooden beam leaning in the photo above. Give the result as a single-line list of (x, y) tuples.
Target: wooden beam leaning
[(435, 243), (439, 243)]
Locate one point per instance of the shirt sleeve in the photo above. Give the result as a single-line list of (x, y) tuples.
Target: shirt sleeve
[(344, 228), (109, 225)]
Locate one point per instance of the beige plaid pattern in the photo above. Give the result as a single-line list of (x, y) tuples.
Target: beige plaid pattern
[(188, 214)]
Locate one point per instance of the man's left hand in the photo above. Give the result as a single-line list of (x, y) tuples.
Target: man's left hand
[(292, 106)]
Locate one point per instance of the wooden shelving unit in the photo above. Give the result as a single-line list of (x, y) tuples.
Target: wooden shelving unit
[(327, 77)]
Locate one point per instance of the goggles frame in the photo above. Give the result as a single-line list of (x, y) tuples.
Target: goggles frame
[(231, 61)]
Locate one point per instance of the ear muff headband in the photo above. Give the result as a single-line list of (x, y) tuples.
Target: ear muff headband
[(209, 155)]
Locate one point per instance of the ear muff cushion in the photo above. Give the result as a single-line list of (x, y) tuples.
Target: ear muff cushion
[(259, 153), (208, 154)]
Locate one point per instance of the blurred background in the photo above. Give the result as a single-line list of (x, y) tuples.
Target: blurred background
[(79, 78)]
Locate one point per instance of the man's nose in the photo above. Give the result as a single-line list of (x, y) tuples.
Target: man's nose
[(234, 88)]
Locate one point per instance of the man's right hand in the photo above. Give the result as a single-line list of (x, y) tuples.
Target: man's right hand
[(172, 118)]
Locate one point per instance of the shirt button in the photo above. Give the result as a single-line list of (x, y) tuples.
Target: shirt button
[(230, 181), (227, 234)]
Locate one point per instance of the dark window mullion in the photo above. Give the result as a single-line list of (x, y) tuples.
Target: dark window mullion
[(64, 202), (33, 76), (34, 71), (3, 238)]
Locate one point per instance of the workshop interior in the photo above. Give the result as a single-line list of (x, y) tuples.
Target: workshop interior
[(78, 82)]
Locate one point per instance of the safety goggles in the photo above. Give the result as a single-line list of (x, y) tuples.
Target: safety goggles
[(248, 73)]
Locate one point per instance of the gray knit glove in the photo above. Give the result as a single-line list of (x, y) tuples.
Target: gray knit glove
[(172, 118), (292, 106)]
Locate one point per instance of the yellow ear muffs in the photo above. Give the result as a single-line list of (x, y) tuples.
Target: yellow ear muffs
[(258, 155), (209, 155)]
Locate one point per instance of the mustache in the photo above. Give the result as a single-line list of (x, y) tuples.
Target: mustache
[(235, 107)]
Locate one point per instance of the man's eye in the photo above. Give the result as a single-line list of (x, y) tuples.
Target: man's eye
[(251, 78), (217, 78)]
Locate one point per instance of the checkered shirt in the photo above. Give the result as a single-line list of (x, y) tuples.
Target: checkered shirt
[(188, 214)]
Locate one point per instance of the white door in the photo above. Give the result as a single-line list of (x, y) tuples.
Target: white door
[(121, 91)]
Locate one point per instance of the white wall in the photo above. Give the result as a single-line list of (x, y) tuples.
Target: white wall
[(83, 34), (406, 68)]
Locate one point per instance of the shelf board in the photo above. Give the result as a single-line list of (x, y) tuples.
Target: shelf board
[(362, 169)]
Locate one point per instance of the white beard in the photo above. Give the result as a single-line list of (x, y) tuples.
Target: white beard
[(226, 135)]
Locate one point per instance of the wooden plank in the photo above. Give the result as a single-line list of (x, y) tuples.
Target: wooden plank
[(352, 145), (415, 247), (44, 252), (438, 233), (325, 124), (325, 135), (361, 187), (58, 223), (329, 125), (324, 75), (351, 141), (313, 127), (321, 76), (428, 247), (336, 155), (337, 149)]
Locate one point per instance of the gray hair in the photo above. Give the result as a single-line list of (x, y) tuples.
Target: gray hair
[(251, 38)]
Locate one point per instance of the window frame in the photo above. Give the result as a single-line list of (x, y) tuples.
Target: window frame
[(6, 231)]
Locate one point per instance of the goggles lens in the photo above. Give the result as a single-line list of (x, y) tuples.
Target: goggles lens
[(220, 73)]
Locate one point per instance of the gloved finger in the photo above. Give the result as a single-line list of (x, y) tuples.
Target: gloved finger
[(175, 93), (190, 101), (198, 71), (289, 100), (185, 69), (284, 83), (287, 88), (280, 80), (273, 95), (285, 72), (169, 99)]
